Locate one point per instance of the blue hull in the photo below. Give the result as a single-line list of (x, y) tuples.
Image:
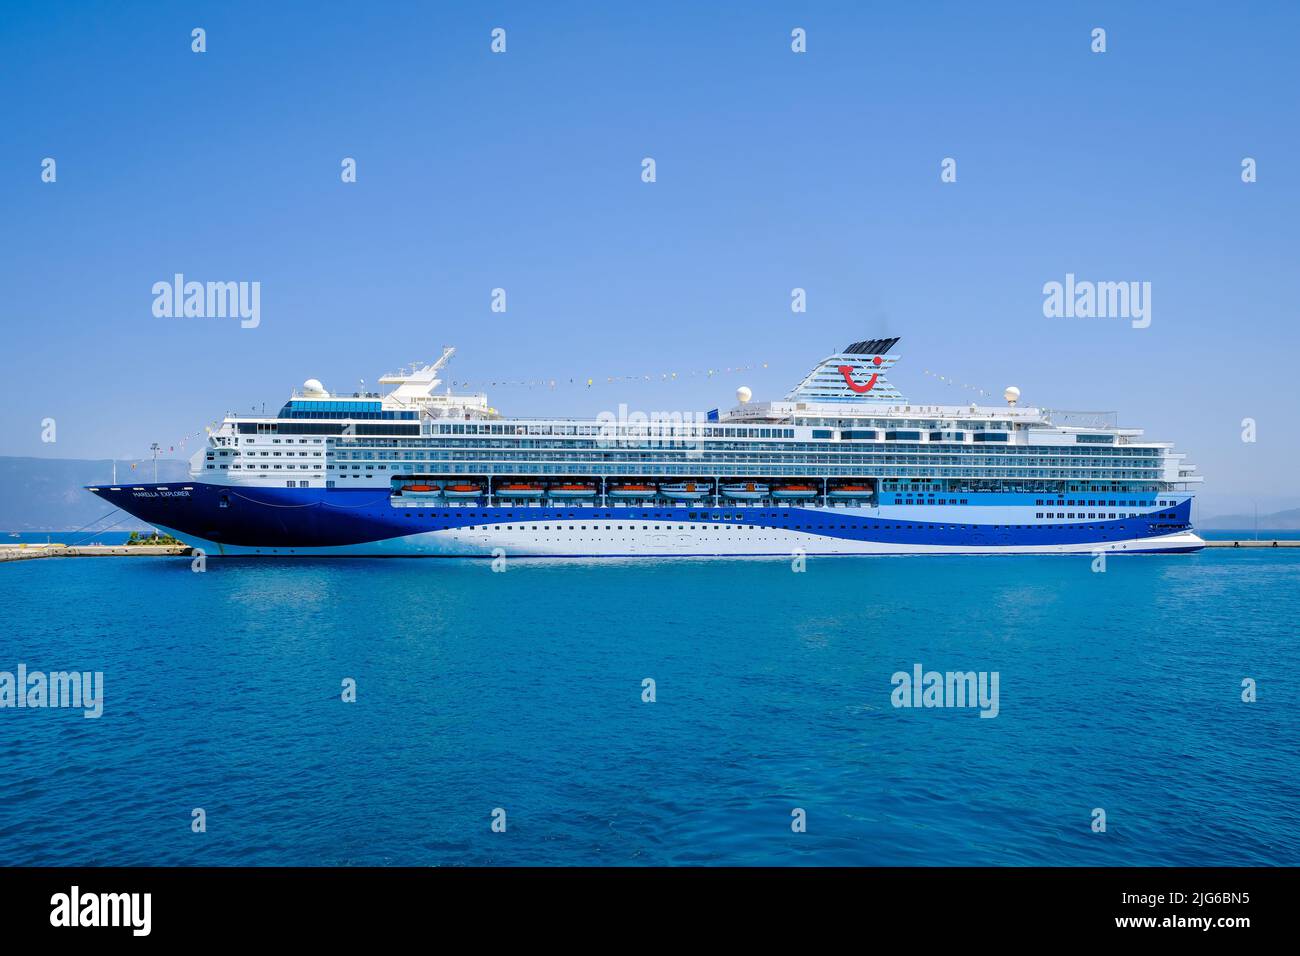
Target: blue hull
[(350, 518)]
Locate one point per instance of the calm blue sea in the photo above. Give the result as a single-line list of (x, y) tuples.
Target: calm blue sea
[(523, 691)]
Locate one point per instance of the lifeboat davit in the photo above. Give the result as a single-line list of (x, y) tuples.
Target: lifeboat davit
[(463, 490), (515, 489), (686, 490), (746, 490), (633, 490), (572, 491), (795, 491)]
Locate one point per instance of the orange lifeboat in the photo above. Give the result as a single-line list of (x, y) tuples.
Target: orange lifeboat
[(573, 490), (463, 490), (516, 489), (422, 490), (633, 490), (795, 491), (851, 491)]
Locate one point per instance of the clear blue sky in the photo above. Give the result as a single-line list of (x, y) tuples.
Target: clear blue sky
[(775, 170)]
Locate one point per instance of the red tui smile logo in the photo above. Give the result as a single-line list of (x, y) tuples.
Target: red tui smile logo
[(861, 389)]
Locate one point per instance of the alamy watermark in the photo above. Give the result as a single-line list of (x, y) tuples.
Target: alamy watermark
[(75, 908), (209, 300), (37, 689), (922, 688), (1083, 299), (636, 429)]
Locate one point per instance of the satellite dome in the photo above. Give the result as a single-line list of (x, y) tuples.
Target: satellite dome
[(1012, 394), (313, 387), (743, 394)]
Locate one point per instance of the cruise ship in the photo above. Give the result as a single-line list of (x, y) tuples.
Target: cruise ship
[(842, 465)]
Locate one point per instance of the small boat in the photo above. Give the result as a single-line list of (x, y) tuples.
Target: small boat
[(572, 491), (795, 491), (632, 490), (463, 490), (686, 490), (745, 490), (851, 491), (420, 491), (515, 489)]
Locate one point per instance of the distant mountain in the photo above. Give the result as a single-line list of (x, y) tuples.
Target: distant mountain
[(1277, 521), (46, 494)]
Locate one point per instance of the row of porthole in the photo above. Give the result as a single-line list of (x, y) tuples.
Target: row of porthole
[(842, 527), (684, 527)]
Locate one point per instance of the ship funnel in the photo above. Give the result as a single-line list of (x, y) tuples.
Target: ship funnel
[(855, 375)]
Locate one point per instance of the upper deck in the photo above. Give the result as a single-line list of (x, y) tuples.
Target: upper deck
[(843, 419)]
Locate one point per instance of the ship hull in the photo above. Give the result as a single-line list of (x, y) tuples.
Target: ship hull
[(363, 522)]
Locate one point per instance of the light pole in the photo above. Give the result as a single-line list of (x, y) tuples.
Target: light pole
[(154, 449)]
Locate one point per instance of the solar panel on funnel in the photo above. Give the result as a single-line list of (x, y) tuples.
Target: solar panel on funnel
[(871, 346)]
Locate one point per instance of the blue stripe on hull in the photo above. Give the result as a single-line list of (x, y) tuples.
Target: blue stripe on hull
[(343, 518), (783, 556)]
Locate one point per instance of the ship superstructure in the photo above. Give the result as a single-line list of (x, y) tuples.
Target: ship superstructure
[(843, 465)]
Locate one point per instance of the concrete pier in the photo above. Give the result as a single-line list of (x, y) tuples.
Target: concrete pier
[(27, 552), (1252, 543)]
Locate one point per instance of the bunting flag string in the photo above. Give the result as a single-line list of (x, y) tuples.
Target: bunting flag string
[(949, 380), (579, 381), (180, 444), (589, 381)]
